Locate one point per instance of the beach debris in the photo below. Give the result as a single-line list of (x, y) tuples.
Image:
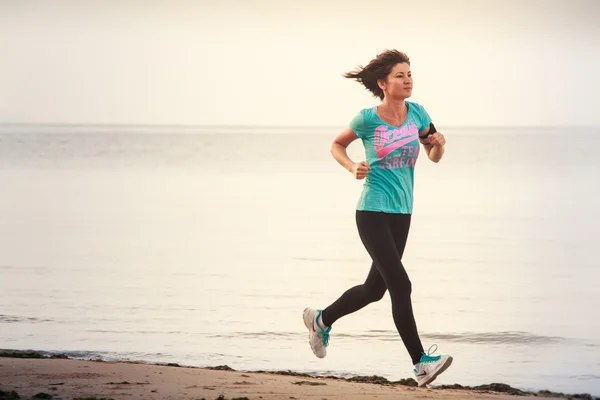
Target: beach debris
[(29, 354), (310, 383), (221, 368), (12, 395)]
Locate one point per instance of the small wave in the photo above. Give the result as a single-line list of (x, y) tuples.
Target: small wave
[(106, 355), (495, 338), (319, 259), (254, 335), (465, 337), (586, 377), (17, 319), (134, 332)]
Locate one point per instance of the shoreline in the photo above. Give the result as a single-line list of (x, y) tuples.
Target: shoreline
[(31, 372)]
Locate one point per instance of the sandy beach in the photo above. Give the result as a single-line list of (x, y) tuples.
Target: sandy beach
[(68, 379)]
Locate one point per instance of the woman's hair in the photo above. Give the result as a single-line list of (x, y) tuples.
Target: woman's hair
[(377, 69)]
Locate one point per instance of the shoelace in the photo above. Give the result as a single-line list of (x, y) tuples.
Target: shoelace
[(428, 357), (322, 333)]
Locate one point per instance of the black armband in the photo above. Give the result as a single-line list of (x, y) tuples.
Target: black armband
[(432, 130)]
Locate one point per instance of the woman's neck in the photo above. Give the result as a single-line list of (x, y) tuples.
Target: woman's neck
[(393, 108), (393, 112)]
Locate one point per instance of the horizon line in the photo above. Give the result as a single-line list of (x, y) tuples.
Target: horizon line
[(257, 126)]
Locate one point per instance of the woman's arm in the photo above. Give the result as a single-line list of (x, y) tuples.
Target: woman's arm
[(433, 143), (338, 150)]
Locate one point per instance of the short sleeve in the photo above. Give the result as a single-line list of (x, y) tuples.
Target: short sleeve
[(358, 125), (424, 117)]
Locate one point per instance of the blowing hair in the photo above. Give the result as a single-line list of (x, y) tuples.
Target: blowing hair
[(377, 69)]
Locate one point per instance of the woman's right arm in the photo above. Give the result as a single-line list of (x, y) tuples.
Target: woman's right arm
[(338, 149)]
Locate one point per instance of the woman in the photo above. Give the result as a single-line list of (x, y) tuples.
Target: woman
[(391, 133)]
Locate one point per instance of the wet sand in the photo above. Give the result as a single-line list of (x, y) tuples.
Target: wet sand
[(70, 379)]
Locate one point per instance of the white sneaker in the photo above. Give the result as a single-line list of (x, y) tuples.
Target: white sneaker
[(430, 367), (318, 338)]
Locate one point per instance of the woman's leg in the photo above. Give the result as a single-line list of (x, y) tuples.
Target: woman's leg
[(356, 297), (384, 236)]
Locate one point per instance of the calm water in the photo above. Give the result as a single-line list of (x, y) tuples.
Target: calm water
[(203, 248)]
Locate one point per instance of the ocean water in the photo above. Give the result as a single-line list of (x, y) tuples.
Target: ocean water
[(203, 246)]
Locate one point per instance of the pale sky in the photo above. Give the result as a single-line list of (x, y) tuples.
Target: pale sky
[(262, 62)]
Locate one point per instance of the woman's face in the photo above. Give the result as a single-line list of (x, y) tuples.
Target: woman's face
[(399, 83)]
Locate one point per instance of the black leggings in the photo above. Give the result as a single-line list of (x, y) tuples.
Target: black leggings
[(384, 236)]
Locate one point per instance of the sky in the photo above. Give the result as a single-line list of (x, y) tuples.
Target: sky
[(280, 63)]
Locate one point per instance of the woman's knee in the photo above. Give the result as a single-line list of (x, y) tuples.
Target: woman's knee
[(401, 287), (375, 292)]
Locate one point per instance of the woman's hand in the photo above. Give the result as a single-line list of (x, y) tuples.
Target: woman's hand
[(437, 139), (360, 170), (435, 148)]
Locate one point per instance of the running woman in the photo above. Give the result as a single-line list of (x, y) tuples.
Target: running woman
[(391, 133)]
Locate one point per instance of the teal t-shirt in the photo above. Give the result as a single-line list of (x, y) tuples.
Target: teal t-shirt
[(392, 153)]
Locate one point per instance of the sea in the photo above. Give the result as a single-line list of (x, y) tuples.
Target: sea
[(202, 246)]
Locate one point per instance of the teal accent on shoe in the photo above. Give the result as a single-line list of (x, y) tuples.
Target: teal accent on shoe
[(425, 358), (324, 334)]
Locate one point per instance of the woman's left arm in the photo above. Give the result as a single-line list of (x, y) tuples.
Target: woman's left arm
[(434, 144)]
